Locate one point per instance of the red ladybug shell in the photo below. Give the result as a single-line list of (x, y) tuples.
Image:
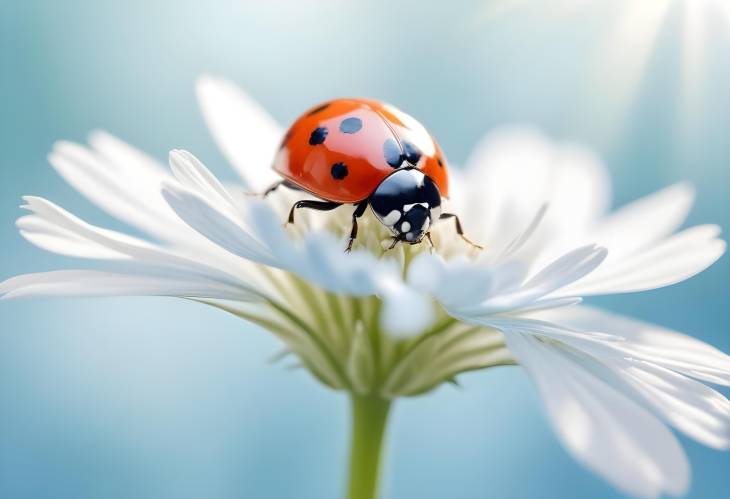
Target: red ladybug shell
[(342, 149)]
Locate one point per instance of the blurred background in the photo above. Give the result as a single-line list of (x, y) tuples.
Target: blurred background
[(160, 398)]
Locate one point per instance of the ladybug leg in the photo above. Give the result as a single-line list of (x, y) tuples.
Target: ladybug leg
[(314, 205), (393, 243), (361, 206), (268, 190), (430, 241), (273, 187), (459, 229)]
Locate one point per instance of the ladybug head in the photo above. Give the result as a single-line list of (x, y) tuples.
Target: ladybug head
[(407, 202)]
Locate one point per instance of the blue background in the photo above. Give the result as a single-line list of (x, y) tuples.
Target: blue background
[(163, 399)]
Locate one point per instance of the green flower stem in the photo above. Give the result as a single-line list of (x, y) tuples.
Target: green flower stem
[(369, 421)]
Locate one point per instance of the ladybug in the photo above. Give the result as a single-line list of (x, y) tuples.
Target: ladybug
[(364, 153)]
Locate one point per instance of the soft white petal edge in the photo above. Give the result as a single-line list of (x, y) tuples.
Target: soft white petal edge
[(475, 293), (492, 187), (134, 263), (600, 426), (637, 225), (662, 346), (670, 261), (653, 366), (243, 129), (139, 282), (121, 180)]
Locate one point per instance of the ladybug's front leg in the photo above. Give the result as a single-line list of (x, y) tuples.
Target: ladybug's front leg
[(361, 207)]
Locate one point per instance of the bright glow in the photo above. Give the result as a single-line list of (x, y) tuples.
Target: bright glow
[(628, 35), (622, 57), (698, 18)]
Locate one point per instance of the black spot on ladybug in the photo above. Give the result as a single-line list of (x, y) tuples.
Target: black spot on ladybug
[(392, 153), (440, 161), (318, 136), (318, 109), (339, 171), (412, 153), (351, 125)]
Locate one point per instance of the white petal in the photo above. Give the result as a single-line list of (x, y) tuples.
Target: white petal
[(120, 180), (522, 239), (457, 282), (567, 269), (600, 426), (244, 131), (328, 265), (510, 324), (466, 285), (191, 173), (88, 283), (195, 178), (126, 183), (643, 222), (699, 411), (509, 276), (59, 231), (218, 227), (267, 225), (320, 258), (673, 260), (650, 342), (691, 407), (70, 235), (57, 239), (649, 378), (426, 272), (474, 292), (122, 155), (513, 171), (405, 311), (563, 271)]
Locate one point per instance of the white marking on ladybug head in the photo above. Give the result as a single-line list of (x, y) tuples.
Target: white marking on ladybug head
[(408, 207), (405, 227), (391, 218), (410, 236)]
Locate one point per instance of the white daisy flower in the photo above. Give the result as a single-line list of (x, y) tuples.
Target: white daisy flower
[(386, 324)]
